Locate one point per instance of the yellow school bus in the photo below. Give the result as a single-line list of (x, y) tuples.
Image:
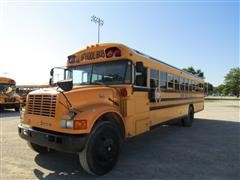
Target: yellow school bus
[(8, 97), (106, 93)]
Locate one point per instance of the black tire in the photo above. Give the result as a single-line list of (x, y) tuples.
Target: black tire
[(100, 153), (37, 148), (17, 109), (188, 120)]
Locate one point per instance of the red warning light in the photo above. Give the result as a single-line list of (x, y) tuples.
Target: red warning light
[(113, 52), (109, 53)]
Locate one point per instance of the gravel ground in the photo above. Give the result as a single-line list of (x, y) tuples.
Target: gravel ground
[(208, 150)]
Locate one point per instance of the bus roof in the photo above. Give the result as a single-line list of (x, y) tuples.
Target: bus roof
[(128, 49), (5, 80), (159, 61)]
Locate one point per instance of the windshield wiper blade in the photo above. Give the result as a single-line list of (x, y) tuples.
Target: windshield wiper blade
[(99, 83)]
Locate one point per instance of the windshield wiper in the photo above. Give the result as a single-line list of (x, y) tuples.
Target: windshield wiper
[(99, 83)]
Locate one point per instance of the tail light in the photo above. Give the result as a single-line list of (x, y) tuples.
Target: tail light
[(113, 52)]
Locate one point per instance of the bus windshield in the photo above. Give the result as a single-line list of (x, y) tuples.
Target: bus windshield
[(107, 73), (5, 87)]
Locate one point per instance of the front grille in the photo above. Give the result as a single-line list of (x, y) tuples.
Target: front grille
[(43, 105)]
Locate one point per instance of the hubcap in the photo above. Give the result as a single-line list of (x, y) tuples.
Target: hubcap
[(106, 148)]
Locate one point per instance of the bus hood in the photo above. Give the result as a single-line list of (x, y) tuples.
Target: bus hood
[(47, 91), (81, 96)]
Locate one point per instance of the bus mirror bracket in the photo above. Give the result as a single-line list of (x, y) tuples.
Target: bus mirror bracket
[(139, 67)]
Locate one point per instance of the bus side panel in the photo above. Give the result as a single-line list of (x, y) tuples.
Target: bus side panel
[(138, 115), (198, 106), (165, 114)]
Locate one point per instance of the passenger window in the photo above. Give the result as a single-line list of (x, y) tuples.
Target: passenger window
[(170, 81), (163, 80), (177, 80), (197, 86), (193, 86), (186, 84), (154, 78), (181, 84), (190, 85)]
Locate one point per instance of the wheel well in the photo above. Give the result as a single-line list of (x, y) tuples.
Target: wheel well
[(114, 118)]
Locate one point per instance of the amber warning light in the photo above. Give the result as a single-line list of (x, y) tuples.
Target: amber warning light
[(80, 124)]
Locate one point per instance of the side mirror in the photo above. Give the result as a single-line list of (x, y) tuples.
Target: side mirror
[(139, 67), (51, 72), (51, 81), (139, 80), (65, 85)]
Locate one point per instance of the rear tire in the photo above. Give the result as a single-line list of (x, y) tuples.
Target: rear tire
[(188, 120), (37, 148), (100, 153)]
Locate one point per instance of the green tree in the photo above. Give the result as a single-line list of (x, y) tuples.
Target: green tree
[(232, 82), (219, 90), (208, 88), (197, 72)]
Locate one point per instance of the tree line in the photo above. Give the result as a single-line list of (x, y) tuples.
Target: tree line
[(230, 87)]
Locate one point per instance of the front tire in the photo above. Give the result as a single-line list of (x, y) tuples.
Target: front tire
[(37, 148), (100, 153), (188, 120)]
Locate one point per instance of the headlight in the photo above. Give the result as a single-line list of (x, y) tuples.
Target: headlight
[(22, 112), (69, 124), (67, 121)]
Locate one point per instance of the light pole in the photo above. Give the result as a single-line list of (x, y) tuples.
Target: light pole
[(100, 22)]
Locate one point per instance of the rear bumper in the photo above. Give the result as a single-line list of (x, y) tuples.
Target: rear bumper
[(58, 141)]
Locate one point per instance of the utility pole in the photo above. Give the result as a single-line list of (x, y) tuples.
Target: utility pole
[(100, 23)]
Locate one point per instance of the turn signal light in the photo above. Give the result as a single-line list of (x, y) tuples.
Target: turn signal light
[(80, 124)]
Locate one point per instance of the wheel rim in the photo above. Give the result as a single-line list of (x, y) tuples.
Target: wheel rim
[(105, 149)]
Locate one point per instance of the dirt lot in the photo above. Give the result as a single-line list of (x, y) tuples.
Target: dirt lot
[(208, 150)]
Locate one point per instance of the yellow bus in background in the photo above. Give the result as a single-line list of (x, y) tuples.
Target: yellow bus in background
[(23, 90), (8, 97), (106, 93)]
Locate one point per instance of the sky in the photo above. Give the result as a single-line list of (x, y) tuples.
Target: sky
[(36, 36)]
